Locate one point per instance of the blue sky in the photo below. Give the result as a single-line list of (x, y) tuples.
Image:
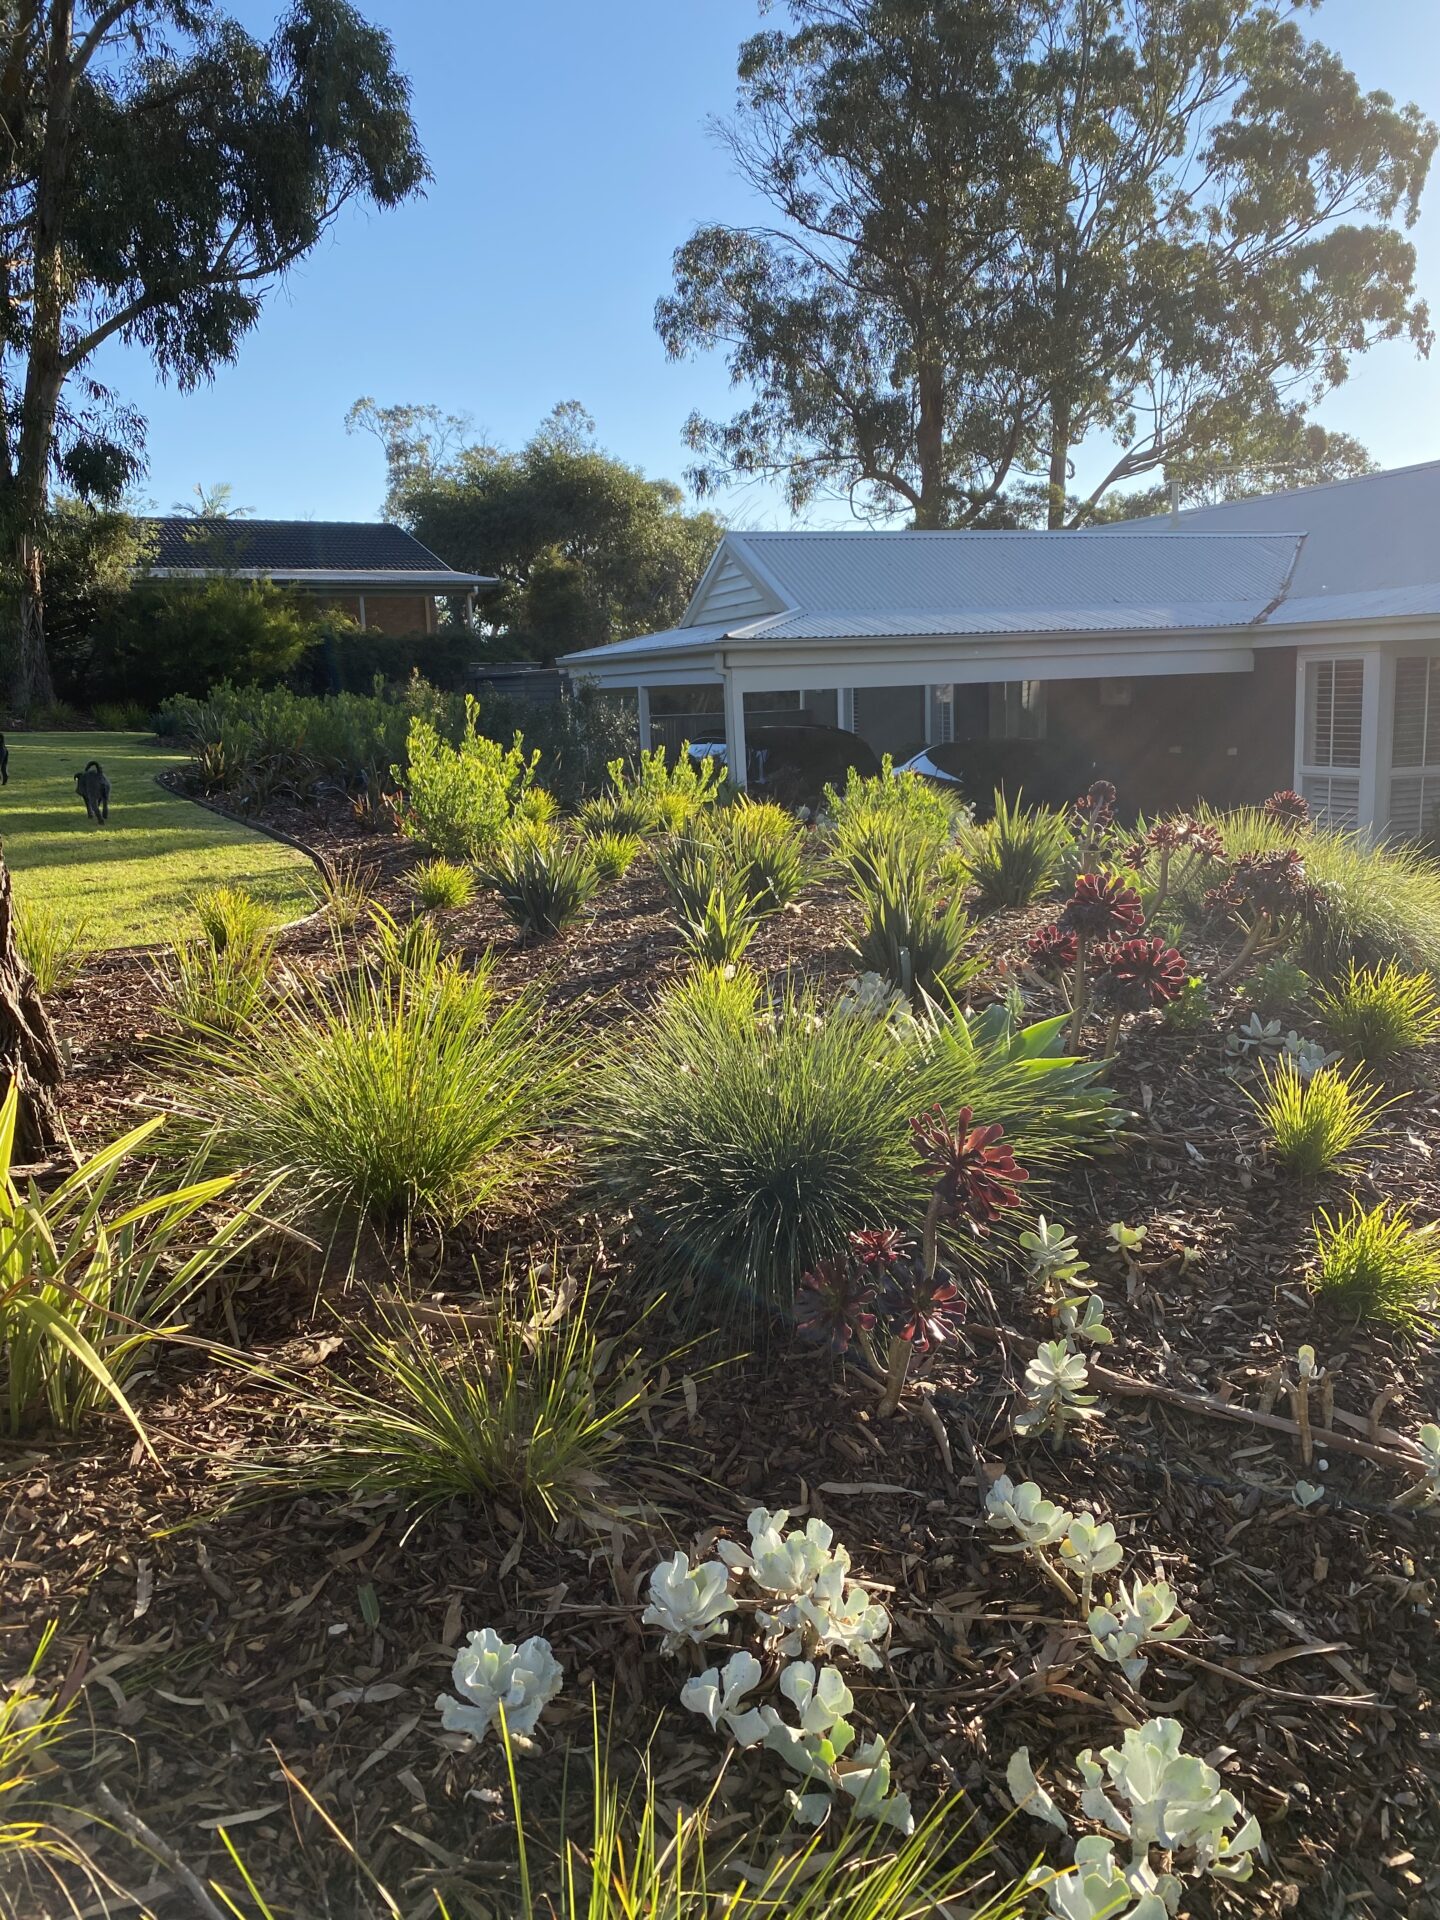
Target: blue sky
[(570, 157)]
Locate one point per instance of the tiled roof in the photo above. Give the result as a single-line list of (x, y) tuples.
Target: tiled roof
[(290, 546)]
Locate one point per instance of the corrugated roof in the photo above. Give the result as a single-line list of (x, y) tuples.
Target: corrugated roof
[(289, 546), (673, 640), (1018, 582)]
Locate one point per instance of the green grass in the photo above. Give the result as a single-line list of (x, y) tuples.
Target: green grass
[(134, 880)]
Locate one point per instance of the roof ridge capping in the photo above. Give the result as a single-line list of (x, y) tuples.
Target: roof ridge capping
[(1114, 530)]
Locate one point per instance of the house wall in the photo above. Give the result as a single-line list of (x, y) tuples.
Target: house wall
[(397, 613), (891, 719)]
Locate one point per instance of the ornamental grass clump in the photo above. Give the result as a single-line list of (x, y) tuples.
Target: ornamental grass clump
[(1018, 855), (542, 880), (1315, 1125), (55, 946), (441, 884), (404, 1092), (766, 849), (216, 990), (1374, 1263), (231, 917), (613, 855), (1376, 1014)]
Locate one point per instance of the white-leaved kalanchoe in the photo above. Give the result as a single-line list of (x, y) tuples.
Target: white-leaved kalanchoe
[(1097, 1887), (1083, 1318), (1151, 1794), (819, 1696), (719, 1695), (785, 1564), (866, 1779), (1306, 1494), (1143, 1615), (1125, 1239), (1090, 1547), (1429, 1443), (689, 1603), (1025, 1510), (1056, 1380), (1051, 1252), (492, 1676)]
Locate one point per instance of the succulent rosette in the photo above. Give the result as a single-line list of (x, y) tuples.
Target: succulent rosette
[(1138, 974), (974, 1168), (1103, 907)]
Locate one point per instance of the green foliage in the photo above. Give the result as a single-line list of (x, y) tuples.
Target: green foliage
[(658, 798), (55, 946), (889, 816), (1375, 1014), (232, 917), (1314, 1126), (214, 990), (1244, 211), (1190, 1009), (1376, 1264), (1279, 985), (691, 866), (766, 849), (437, 884), (613, 855), (411, 1092), (1381, 901), (1017, 856), (718, 933), (531, 1409), (33, 1847), (544, 881), (586, 548), (122, 716), (170, 636), (347, 889), (460, 799), (576, 737), (90, 1280), (912, 935)]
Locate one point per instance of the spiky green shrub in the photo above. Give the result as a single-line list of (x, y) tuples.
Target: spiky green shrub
[(55, 946), (400, 1093), (748, 1141), (460, 799), (1018, 855), (1314, 1126), (543, 881), (1380, 901), (893, 816), (719, 933), (230, 916), (209, 989), (1376, 1264), (766, 848), (438, 884), (913, 934), (1375, 1014), (347, 891), (530, 1409), (398, 949), (654, 796), (613, 855), (690, 865)]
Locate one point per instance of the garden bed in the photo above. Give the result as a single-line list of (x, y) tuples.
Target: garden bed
[(222, 1639)]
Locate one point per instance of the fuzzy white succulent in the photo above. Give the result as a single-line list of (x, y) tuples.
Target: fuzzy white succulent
[(1308, 1056), (1257, 1035), (719, 1693), (689, 1603), (865, 1778), (1051, 1252), (820, 1607), (1149, 1793), (493, 1675), (870, 996), (1025, 1510), (1083, 1318), (785, 1564), (1143, 1615), (835, 1616), (1306, 1494), (1057, 1379), (1090, 1547), (1125, 1239)]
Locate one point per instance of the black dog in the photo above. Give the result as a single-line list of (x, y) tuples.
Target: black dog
[(94, 789), (4, 762)]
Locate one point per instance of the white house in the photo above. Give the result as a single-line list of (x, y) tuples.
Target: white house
[(1290, 640)]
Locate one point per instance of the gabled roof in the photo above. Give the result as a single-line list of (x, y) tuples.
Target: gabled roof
[(319, 551)]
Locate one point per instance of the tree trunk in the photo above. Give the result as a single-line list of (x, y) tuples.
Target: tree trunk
[(930, 448), (29, 1052), (31, 685), (1059, 462)]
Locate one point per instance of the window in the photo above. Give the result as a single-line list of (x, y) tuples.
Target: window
[(1415, 750), (1017, 710), (1333, 739), (942, 714)]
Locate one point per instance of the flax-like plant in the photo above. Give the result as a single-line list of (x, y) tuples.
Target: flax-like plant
[(913, 933), (91, 1280), (691, 865), (1018, 855), (1377, 1264), (409, 1091), (55, 947), (1314, 1126), (209, 989), (719, 933), (766, 847), (528, 1405), (231, 917), (1376, 1014), (439, 884), (544, 882)]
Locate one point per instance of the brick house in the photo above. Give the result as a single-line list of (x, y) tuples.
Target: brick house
[(378, 574)]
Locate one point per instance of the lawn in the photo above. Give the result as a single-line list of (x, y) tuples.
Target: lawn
[(131, 880)]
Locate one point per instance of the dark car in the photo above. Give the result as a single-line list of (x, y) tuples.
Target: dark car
[(1049, 772), (794, 765)]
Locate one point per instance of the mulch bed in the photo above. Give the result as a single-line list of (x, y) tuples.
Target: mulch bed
[(224, 1639)]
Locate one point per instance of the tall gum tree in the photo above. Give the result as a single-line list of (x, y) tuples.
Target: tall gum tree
[(161, 169), (1161, 227)]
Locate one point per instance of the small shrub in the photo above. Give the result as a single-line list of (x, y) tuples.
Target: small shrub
[(229, 916), (718, 935), (691, 866), (54, 947), (402, 949), (216, 990), (766, 846), (1314, 1125), (613, 855), (1377, 1013), (410, 1093), (912, 936), (438, 884), (1280, 985), (543, 882), (654, 797), (459, 800), (347, 890), (1018, 855), (1377, 1264), (890, 817), (532, 1411), (123, 716)]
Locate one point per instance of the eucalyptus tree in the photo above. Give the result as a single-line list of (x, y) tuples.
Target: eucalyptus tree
[(1003, 231), (161, 168)]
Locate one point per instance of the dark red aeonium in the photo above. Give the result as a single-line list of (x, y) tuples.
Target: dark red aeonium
[(1102, 907), (1290, 808), (923, 1309), (834, 1302), (1051, 949), (974, 1170), (1095, 809), (1139, 974), (879, 1246)]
